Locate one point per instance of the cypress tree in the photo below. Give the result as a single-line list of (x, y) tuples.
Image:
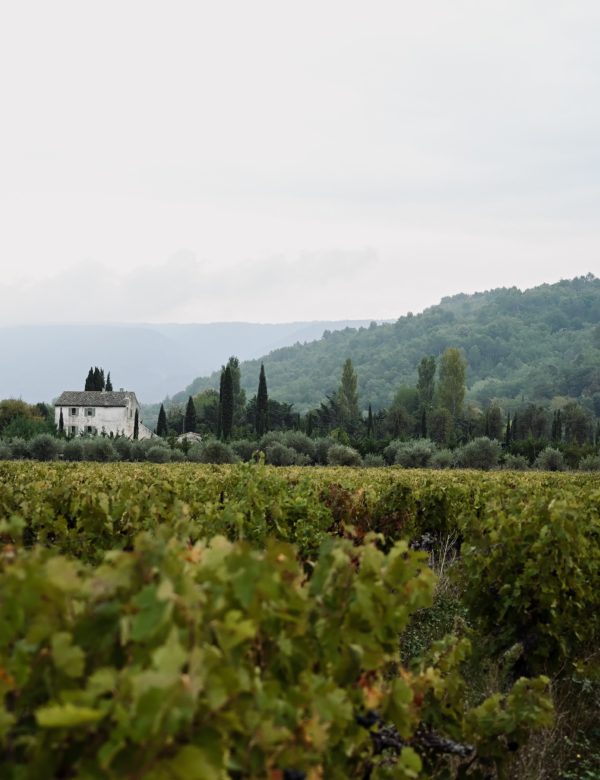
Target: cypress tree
[(189, 422), (262, 404), (227, 404), (507, 434), (61, 424), (220, 407), (370, 423), (161, 426), (89, 382), (102, 383), (309, 423), (96, 379), (109, 386), (136, 425)]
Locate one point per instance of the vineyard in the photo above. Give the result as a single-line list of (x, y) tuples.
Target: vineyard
[(187, 622)]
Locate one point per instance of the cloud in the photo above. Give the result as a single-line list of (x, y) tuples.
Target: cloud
[(183, 289)]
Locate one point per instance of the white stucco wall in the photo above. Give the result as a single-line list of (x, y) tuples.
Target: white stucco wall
[(118, 420)]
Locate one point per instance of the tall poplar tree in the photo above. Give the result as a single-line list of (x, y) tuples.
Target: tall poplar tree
[(161, 426), (426, 382), (452, 378), (262, 404), (190, 420), (347, 397), (227, 404)]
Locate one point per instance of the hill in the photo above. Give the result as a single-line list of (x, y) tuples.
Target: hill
[(39, 361), (527, 345)]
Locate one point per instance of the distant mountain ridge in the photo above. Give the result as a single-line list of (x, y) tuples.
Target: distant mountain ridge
[(520, 345), (38, 362)]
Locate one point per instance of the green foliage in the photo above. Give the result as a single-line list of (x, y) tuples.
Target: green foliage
[(481, 453), (515, 462), (189, 421), (529, 571), (212, 451), (341, 455), (45, 447), (550, 459), (262, 404), (277, 454), (452, 381), (159, 454), (415, 454)]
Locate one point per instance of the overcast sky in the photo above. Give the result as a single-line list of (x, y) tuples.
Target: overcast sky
[(274, 161)]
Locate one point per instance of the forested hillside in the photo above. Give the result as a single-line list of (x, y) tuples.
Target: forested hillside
[(521, 346)]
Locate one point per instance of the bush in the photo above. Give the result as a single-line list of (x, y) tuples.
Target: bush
[(442, 459), (390, 451), (5, 452), (73, 450), (279, 455), (341, 455), (138, 451), (550, 459), (45, 447), (244, 448), (98, 449), (122, 447), (373, 461), (272, 437), (515, 463), (590, 463), (212, 451), (414, 454), (177, 456), (322, 447), (301, 443), (481, 453), (159, 454), (19, 448)]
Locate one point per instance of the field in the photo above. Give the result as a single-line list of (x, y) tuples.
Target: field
[(185, 622)]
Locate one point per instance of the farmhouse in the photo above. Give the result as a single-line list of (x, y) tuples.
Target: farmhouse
[(99, 412)]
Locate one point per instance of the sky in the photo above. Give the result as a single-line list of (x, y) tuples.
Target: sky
[(278, 161)]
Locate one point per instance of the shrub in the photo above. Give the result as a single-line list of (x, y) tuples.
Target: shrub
[(212, 451), (138, 451), (414, 454), (244, 448), (177, 456), (122, 447), (390, 451), (98, 449), (19, 448), (272, 437), (590, 463), (301, 443), (73, 450), (341, 455), (322, 447), (373, 461), (5, 451), (159, 455), (442, 459), (515, 462), (44, 447), (279, 455), (481, 453), (550, 459)]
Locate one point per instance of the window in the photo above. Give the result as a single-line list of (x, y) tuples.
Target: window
[(74, 411), (90, 412), (90, 429), (73, 430)]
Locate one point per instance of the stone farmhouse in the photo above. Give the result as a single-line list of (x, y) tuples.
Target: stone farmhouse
[(105, 412)]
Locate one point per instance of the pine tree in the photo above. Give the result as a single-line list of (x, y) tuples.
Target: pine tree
[(189, 421), (262, 404), (109, 387), (161, 426), (89, 382), (136, 425), (227, 404)]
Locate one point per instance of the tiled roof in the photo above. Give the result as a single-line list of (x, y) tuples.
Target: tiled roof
[(94, 398)]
